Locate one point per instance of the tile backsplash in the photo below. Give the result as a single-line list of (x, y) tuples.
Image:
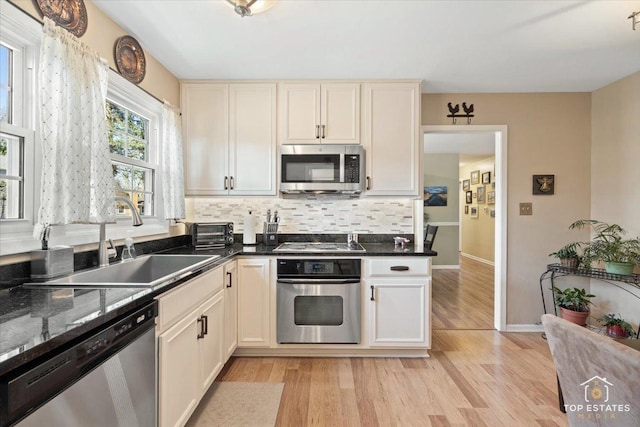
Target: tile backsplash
[(312, 215)]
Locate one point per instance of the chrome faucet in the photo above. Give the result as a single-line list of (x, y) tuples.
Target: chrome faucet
[(105, 253)]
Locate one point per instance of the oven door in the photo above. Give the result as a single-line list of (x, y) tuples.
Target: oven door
[(318, 311)]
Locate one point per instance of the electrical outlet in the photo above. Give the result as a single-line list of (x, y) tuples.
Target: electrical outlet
[(526, 208)]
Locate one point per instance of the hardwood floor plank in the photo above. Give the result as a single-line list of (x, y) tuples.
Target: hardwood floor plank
[(472, 396), (463, 299), (473, 378)]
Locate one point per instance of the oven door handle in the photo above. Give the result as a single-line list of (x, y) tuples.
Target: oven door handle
[(317, 281)]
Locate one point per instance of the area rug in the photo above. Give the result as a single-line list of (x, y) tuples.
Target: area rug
[(238, 404)]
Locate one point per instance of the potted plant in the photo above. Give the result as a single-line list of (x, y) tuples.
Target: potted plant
[(574, 304), (615, 326), (608, 246), (568, 255)]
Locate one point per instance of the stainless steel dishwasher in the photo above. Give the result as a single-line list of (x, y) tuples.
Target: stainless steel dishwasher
[(106, 379)]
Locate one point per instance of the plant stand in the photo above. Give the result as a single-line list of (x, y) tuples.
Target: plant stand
[(557, 270)]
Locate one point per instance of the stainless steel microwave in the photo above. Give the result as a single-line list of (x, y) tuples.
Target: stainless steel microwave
[(321, 168)]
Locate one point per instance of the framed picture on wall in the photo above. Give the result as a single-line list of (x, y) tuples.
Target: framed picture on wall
[(435, 195), (466, 209), (474, 212), (486, 178), (480, 193), (466, 185), (491, 197), (469, 197), (475, 177)]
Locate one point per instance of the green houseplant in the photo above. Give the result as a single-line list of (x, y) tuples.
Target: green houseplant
[(574, 304), (607, 245), (568, 255), (616, 326)]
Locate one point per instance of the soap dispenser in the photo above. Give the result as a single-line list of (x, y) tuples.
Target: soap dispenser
[(129, 251)]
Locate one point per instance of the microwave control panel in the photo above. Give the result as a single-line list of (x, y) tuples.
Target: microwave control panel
[(352, 168)]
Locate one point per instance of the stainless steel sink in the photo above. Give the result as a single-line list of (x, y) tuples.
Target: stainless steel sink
[(142, 272)]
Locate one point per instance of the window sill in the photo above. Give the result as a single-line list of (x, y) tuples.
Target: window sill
[(75, 235)]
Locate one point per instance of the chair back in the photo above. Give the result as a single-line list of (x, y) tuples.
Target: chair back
[(430, 236), (595, 373)]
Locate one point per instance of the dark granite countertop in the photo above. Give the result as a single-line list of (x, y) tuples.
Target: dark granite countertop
[(36, 321)]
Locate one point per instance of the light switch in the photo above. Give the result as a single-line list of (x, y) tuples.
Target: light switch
[(526, 208)]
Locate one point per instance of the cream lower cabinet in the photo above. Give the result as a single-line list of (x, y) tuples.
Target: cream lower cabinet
[(230, 309), (254, 303), (398, 302), (391, 137), (190, 345)]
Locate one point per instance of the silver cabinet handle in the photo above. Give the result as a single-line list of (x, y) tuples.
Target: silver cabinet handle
[(226, 186), (368, 183), (372, 293), (323, 131), (232, 184), (317, 131)]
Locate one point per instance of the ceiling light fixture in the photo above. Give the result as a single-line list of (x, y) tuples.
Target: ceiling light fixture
[(634, 19), (250, 7)]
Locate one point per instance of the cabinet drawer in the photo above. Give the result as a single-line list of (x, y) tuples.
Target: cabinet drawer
[(399, 266), (178, 302)]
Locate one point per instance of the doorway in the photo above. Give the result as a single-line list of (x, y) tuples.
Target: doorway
[(497, 136)]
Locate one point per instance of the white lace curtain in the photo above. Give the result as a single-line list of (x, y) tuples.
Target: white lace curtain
[(172, 167), (77, 180)]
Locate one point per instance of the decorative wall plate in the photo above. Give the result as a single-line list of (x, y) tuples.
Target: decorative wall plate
[(130, 59), (69, 14)]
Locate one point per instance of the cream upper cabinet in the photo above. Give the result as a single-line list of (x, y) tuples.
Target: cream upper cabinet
[(205, 120), (313, 113), (252, 142), (229, 138), (391, 137)]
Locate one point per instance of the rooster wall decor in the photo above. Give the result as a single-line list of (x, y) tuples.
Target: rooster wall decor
[(454, 110)]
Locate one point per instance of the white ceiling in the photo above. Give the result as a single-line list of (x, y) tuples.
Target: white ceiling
[(453, 46)]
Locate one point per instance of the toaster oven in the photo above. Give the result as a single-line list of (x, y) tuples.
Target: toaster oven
[(207, 235)]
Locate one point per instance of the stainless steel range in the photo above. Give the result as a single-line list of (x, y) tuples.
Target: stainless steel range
[(298, 247)]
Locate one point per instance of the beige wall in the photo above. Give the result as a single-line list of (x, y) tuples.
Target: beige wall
[(101, 36), (548, 133), (442, 169), (478, 234), (615, 178)]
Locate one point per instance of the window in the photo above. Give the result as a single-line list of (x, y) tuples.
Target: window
[(128, 134), (12, 134)]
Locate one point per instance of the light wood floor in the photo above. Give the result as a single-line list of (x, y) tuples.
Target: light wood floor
[(463, 299), (473, 378)]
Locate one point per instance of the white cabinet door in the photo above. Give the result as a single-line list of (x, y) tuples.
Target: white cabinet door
[(230, 309), (205, 119), (252, 139), (212, 342), (340, 113), (399, 312), (392, 138), (178, 372), (300, 113), (253, 303), (315, 113)]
